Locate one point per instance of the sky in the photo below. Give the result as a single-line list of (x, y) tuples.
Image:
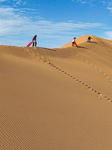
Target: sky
[(55, 22)]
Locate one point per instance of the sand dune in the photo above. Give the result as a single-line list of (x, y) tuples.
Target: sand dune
[(57, 99), (83, 39)]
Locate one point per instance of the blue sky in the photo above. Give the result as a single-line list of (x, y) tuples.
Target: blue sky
[(55, 22)]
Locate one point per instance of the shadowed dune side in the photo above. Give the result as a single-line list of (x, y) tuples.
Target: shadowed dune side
[(56, 98)]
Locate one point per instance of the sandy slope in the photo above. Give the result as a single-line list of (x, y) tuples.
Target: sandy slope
[(57, 99)]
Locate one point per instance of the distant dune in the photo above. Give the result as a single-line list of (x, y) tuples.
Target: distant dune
[(83, 39), (57, 99)]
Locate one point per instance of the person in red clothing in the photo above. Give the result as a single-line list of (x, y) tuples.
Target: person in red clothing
[(73, 42), (34, 41)]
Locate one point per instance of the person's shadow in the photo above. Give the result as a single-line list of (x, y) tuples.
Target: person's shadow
[(82, 47), (87, 42), (91, 42), (50, 49)]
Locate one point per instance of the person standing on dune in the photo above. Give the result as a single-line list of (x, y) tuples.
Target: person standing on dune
[(34, 41), (73, 42)]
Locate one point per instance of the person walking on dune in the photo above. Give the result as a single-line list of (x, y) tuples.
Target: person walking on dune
[(73, 42), (34, 41)]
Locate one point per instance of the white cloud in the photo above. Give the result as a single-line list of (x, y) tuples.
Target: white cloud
[(109, 35), (110, 9), (106, 3), (103, 2), (82, 1), (3, 0), (11, 22), (19, 2)]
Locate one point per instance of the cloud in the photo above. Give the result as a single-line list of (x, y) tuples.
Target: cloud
[(12, 22), (107, 3), (95, 2), (14, 15), (109, 35), (83, 1), (19, 2), (2, 1), (110, 8)]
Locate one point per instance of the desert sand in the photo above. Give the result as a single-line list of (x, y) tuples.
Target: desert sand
[(56, 99)]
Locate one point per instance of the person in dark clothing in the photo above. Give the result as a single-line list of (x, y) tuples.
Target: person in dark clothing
[(89, 39), (34, 41)]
